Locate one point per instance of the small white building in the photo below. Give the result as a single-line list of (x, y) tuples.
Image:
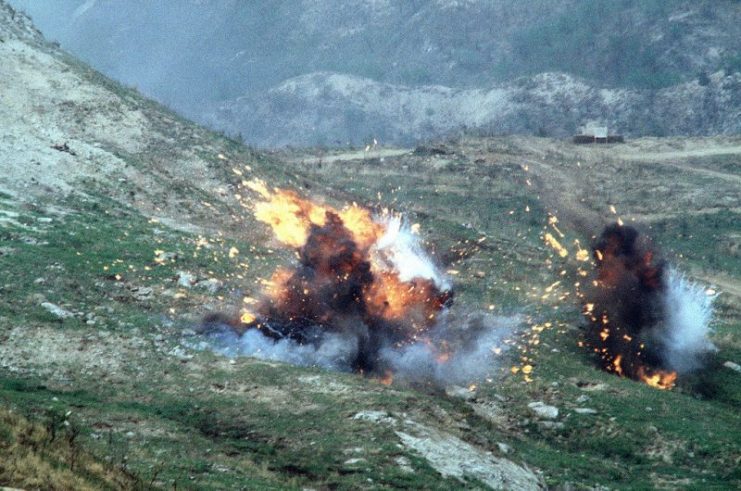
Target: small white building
[(599, 132), (591, 132)]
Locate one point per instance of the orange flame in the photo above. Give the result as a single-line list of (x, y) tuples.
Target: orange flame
[(247, 317), (555, 244), (617, 366), (390, 298), (342, 275), (291, 217), (387, 378), (658, 379), (275, 286), (360, 223)]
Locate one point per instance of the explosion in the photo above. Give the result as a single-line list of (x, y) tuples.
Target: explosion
[(645, 321), (358, 277)]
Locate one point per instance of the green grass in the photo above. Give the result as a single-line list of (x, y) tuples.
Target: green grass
[(202, 422), (695, 240), (691, 424), (688, 437)]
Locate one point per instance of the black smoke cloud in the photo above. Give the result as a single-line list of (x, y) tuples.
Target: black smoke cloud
[(642, 315)]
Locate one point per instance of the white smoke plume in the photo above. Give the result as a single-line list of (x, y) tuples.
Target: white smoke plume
[(477, 346), (400, 250), (689, 313), (437, 349), (334, 351)]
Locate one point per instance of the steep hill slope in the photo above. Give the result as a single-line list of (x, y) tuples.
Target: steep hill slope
[(121, 226), (69, 131)]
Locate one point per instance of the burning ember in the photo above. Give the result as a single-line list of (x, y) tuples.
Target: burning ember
[(358, 275), (645, 321)]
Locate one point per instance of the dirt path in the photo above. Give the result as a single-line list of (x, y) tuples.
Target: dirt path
[(657, 217), (682, 154), (356, 155), (701, 170), (562, 194), (661, 158)]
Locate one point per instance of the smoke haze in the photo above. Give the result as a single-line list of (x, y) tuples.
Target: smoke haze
[(479, 342), (689, 312)]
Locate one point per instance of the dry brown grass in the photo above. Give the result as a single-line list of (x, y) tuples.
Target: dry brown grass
[(33, 456)]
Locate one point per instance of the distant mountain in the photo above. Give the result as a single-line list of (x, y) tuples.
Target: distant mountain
[(334, 109), (221, 61)]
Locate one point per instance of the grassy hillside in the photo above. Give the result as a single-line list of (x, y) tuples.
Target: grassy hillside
[(112, 250), (47, 456), (146, 402)]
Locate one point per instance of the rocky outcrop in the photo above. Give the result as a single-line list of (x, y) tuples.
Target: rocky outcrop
[(336, 109), (16, 24)]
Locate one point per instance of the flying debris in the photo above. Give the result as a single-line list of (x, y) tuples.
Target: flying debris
[(362, 296), (359, 278), (644, 320)]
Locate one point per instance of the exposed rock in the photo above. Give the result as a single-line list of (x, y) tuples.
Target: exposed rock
[(543, 410), (343, 106), (405, 465), (552, 425), (212, 285), (452, 457), (591, 386), (585, 410), (460, 392), (180, 353), (62, 104), (142, 293), (355, 461), (375, 416), (504, 448), (185, 279), (57, 311), (491, 412), (38, 298)]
